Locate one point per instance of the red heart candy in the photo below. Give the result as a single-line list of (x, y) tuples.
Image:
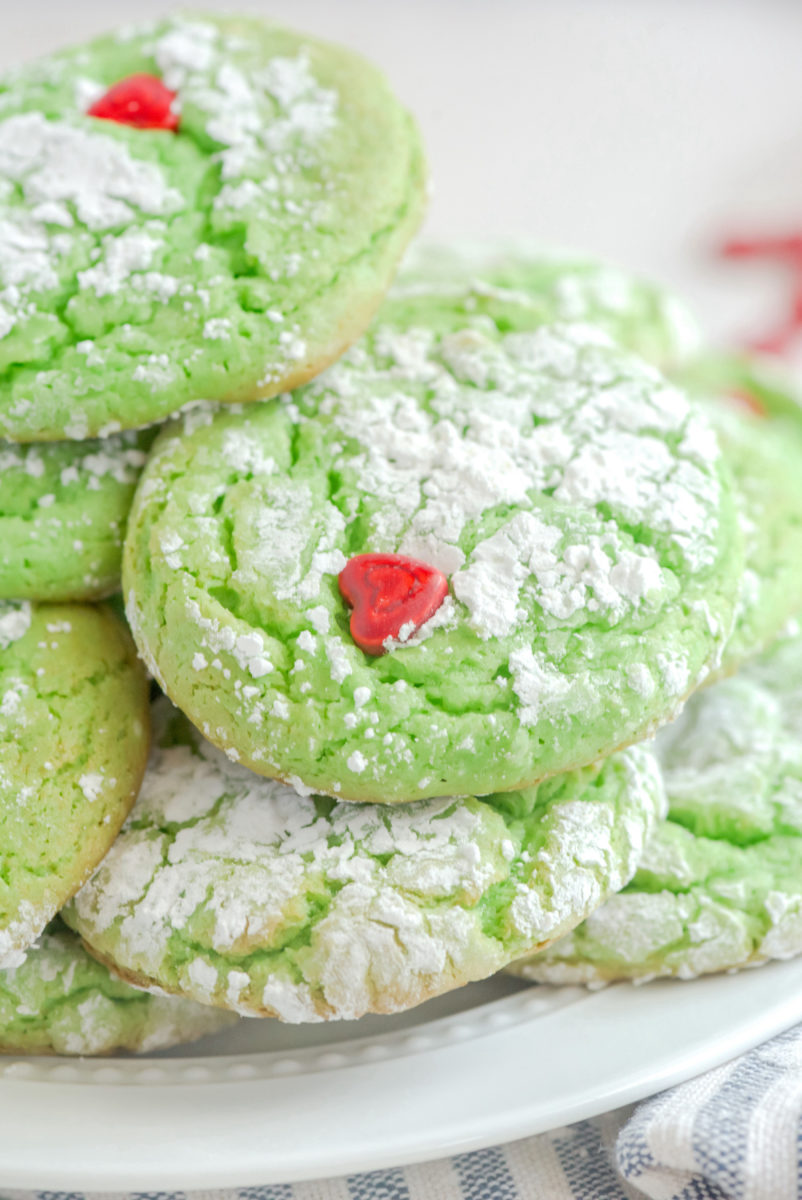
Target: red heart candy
[(388, 592), (139, 100)]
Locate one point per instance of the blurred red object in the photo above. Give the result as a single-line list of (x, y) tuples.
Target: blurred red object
[(785, 249)]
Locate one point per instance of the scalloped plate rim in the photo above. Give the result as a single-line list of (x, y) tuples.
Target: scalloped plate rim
[(506, 1075)]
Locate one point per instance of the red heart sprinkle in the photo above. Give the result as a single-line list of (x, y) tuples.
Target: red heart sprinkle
[(140, 100), (388, 592)]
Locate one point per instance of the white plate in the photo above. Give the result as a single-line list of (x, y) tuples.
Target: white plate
[(266, 1103)]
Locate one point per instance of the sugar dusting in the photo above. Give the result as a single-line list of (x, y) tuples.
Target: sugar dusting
[(718, 886), (82, 209), (564, 486), (391, 899), (60, 1000), (15, 620)]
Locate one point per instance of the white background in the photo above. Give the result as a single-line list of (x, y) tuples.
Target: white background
[(637, 129)]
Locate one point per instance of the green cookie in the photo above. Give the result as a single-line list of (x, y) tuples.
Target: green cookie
[(61, 1001), (143, 268), (570, 493), (233, 890), (74, 732), (764, 456), (720, 884), (552, 286), (762, 443), (63, 512)]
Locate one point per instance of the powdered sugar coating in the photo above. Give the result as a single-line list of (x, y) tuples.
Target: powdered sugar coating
[(141, 269), (332, 910), (762, 452), (63, 512), (571, 494), (720, 882), (15, 620), (553, 285), (59, 1000)]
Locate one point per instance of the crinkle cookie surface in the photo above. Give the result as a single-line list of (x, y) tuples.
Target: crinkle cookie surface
[(551, 286), (63, 513), (233, 890), (761, 439), (571, 495), (60, 1000), (74, 735), (720, 883), (141, 269)]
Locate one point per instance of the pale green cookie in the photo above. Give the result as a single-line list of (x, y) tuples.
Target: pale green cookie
[(236, 891), (759, 424), (62, 1001), (74, 733), (141, 269), (63, 512), (720, 883), (526, 286), (572, 496), (552, 286)]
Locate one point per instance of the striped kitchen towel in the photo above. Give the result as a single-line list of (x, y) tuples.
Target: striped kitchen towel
[(735, 1132), (732, 1134)]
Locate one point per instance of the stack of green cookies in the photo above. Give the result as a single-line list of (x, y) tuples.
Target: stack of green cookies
[(417, 589)]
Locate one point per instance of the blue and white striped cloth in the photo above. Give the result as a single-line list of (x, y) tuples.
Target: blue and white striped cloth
[(732, 1134)]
